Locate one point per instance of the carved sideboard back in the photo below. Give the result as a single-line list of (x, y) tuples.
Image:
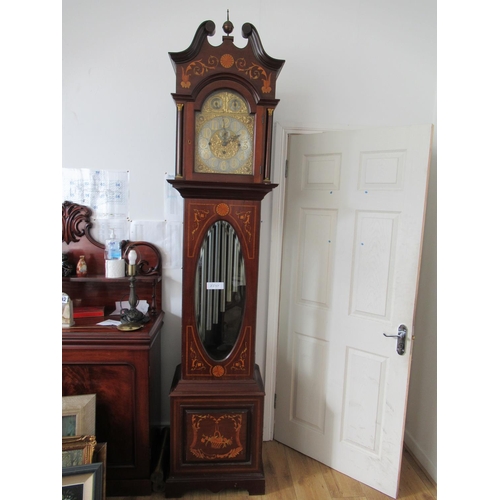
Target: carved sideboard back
[(96, 289)]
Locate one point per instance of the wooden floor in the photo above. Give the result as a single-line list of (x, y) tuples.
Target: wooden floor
[(293, 476)]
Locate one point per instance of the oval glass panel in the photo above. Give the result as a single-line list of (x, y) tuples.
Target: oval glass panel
[(219, 292)]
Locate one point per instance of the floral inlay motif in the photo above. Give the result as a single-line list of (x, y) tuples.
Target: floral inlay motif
[(197, 68), (196, 364), (213, 444), (200, 68), (254, 71), (240, 364), (246, 218), (199, 215)]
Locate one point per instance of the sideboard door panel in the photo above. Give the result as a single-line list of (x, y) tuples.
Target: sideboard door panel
[(114, 385)]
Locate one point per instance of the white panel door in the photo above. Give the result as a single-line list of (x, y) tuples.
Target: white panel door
[(353, 228)]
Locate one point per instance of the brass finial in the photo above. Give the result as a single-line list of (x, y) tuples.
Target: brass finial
[(228, 25)]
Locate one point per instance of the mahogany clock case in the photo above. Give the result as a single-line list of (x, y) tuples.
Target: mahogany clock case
[(225, 99)]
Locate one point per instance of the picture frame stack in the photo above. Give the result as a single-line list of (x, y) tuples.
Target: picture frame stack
[(83, 459)]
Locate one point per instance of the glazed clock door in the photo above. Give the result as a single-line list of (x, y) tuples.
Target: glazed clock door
[(220, 290)]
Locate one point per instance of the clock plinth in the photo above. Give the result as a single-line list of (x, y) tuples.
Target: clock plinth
[(220, 428), (225, 98)]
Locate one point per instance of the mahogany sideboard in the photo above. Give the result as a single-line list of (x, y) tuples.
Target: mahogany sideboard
[(121, 367)]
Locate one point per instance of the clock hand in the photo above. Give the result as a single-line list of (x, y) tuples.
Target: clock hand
[(225, 137), (233, 138)]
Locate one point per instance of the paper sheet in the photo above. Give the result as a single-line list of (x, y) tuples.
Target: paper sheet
[(109, 322), (106, 192)]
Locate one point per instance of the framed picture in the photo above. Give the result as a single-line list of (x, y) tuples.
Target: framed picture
[(78, 415), (101, 455), (77, 450), (83, 482)]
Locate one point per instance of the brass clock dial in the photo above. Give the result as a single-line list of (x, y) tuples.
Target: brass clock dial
[(224, 135)]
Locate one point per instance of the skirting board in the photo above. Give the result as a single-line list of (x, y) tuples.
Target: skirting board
[(429, 467)]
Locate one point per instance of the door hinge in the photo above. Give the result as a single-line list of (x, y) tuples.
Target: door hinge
[(286, 169), (275, 396)]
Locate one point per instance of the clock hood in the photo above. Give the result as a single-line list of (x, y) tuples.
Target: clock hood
[(202, 60)]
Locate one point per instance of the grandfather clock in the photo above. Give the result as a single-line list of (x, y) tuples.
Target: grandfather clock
[(225, 99)]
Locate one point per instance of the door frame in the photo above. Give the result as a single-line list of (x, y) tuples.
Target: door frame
[(280, 146)]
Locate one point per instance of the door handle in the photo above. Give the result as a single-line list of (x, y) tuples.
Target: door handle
[(401, 336)]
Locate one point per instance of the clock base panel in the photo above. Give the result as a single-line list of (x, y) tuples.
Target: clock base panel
[(216, 436)]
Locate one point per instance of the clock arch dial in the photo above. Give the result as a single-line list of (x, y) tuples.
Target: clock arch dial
[(224, 135)]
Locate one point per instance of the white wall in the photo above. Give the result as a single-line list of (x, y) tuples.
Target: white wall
[(348, 63)]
